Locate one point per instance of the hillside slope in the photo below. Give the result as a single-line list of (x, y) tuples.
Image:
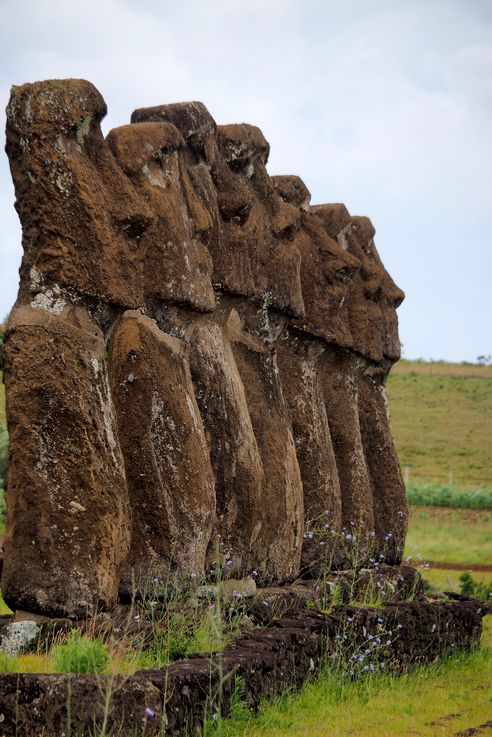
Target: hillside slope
[(441, 415)]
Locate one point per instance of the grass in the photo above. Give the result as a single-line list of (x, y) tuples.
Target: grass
[(447, 495), (441, 416), (450, 535), (440, 699), (449, 580)]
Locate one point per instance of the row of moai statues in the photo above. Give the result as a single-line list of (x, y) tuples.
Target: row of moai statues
[(195, 364)]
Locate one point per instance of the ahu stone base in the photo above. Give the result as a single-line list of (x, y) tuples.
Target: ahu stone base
[(175, 700)]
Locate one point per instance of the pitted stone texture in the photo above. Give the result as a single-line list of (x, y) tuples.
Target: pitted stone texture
[(298, 360), (234, 452), (390, 504), (178, 267), (327, 269), (266, 233), (35, 705), (20, 637), (81, 218), (258, 401), (339, 370), (168, 470), (68, 511), (282, 508)]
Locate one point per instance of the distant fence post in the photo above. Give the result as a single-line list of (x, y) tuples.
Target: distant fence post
[(450, 478), (407, 475)]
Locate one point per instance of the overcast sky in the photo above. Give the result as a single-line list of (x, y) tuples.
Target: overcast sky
[(385, 105)]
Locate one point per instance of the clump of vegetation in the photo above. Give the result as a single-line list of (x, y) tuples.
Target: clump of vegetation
[(79, 654), (478, 589), (448, 495)]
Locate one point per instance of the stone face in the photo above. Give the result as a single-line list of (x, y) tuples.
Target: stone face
[(67, 500), (178, 267), (168, 470), (196, 363), (82, 220)]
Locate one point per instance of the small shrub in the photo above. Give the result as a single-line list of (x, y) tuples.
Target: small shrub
[(80, 655), (478, 589)]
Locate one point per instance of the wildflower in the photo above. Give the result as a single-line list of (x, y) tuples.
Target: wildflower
[(321, 542), (193, 575), (399, 513), (254, 573), (349, 619), (370, 637), (149, 712), (372, 534), (399, 626), (367, 651), (361, 658), (310, 535), (409, 557), (156, 580), (229, 562), (371, 666), (381, 665), (327, 526), (388, 642), (380, 620), (366, 667), (352, 523)]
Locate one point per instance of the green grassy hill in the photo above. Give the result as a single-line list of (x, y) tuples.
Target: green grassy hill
[(441, 415)]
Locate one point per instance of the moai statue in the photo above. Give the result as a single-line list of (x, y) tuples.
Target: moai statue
[(372, 302), (326, 271), (195, 364), (68, 511), (98, 221), (233, 359)]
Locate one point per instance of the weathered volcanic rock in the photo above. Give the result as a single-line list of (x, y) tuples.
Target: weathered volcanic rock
[(247, 336), (234, 452), (372, 301), (68, 512), (327, 269), (81, 218), (298, 359), (281, 536), (339, 377), (169, 476), (267, 233), (178, 267), (388, 489), (58, 704)]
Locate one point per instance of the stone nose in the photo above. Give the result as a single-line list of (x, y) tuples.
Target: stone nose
[(394, 294)]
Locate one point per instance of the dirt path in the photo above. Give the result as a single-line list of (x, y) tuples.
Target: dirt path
[(443, 566)]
